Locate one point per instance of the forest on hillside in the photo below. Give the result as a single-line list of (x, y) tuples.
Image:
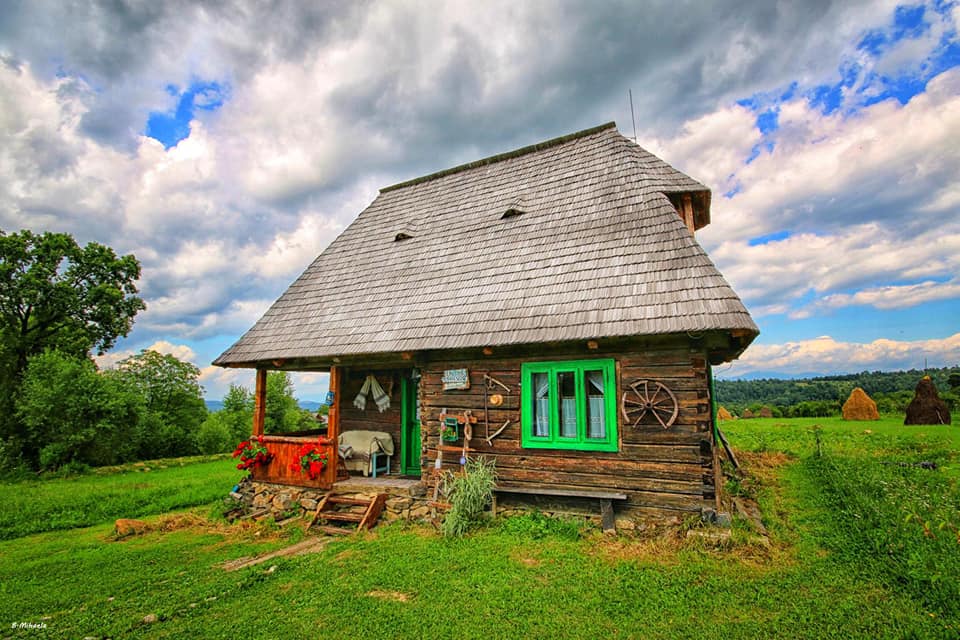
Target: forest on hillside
[(823, 396)]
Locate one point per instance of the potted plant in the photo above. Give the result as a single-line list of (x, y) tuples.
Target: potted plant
[(252, 453), (313, 458)]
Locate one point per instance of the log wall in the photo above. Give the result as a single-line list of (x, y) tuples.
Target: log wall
[(663, 470), (370, 418)]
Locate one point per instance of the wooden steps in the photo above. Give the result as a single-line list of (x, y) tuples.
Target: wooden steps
[(340, 510)]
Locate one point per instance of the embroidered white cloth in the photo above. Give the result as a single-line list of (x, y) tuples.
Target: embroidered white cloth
[(380, 397)]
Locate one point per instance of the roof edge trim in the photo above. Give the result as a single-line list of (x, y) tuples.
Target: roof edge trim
[(502, 156)]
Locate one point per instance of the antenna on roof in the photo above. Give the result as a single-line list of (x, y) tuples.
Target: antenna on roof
[(630, 91)]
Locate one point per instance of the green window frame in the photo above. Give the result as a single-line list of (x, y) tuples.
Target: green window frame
[(569, 405)]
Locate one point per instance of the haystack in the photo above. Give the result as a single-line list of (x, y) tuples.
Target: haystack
[(747, 414), (926, 406), (859, 406), (766, 412), (723, 415)]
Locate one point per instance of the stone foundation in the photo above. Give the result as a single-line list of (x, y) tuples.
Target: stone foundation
[(406, 500)]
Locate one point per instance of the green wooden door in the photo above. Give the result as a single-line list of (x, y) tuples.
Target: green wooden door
[(410, 426)]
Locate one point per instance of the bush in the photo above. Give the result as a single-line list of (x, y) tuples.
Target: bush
[(71, 413), (469, 494), (214, 435)]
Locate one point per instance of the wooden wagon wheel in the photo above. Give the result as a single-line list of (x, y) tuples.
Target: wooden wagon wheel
[(648, 397)]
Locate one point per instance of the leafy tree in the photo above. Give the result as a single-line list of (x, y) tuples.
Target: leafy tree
[(237, 412), (173, 398), (72, 414), (56, 295), (283, 414), (954, 379)]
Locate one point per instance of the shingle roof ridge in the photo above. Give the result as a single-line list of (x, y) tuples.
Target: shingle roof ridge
[(502, 156)]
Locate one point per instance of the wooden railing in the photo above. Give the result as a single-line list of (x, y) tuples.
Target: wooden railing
[(285, 449), (286, 454)]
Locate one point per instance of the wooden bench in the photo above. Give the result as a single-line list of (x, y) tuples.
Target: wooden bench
[(606, 499)]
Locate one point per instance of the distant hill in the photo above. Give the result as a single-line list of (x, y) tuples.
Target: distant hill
[(781, 392), (309, 405)]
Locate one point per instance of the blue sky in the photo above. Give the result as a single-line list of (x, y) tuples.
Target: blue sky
[(225, 149)]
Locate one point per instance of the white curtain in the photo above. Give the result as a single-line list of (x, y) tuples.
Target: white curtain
[(596, 423)]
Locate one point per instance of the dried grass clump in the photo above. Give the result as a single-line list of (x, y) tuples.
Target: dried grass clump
[(723, 415), (926, 406), (859, 406), (766, 412), (747, 414)]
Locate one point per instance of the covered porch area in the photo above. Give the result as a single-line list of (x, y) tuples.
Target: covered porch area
[(382, 437)]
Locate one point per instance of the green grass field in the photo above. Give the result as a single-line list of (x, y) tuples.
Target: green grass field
[(858, 549)]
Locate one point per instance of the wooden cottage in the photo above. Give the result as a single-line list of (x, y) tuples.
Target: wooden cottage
[(551, 303)]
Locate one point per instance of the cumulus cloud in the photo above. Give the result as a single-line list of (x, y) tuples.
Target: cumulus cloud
[(179, 351), (325, 102), (866, 198), (825, 355)]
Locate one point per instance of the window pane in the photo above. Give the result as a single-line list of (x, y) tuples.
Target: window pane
[(567, 386), (596, 416), (541, 405)]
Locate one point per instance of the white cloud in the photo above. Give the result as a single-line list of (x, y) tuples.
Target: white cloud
[(179, 351), (869, 199), (826, 355), (326, 103)]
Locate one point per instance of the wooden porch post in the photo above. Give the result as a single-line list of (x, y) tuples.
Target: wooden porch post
[(333, 424), (260, 402)]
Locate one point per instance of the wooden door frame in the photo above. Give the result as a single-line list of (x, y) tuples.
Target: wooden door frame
[(408, 414)]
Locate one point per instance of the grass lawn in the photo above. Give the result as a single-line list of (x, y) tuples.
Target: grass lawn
[(127, 491), (838, 563)]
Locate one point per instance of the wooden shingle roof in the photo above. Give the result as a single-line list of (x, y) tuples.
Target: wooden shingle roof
[(593, 249)]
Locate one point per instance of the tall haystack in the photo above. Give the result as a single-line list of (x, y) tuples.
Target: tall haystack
[(723, 415), (860, 406), (747, 414), (766, 412), (926, 406)]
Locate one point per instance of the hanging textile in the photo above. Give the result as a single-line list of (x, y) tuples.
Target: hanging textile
[(380, 397)]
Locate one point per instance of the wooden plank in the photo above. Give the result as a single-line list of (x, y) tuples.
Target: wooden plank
[(341, 516), (373, 512), (320, 507), (360, 502), (673, 501), (285, 450), (260, 402), (568, 493), (333, 425), (601, 481), (607, 522), (618, 466)]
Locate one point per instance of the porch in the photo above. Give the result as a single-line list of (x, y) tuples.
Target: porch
[(392, 448)]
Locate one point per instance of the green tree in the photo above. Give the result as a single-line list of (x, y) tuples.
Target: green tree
[(237, 412), (71, 413), (173, 398), (283, 414), (56, 295)]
